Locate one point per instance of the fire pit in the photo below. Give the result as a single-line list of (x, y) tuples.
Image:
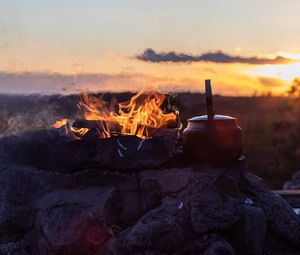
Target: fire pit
[(125, 136), (114, 182)]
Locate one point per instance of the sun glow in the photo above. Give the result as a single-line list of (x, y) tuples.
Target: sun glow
[(283, 72), (289, 55)]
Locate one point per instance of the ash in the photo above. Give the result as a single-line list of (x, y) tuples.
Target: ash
[(163, 207)]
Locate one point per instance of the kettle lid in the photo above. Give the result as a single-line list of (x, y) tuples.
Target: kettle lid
[(216, 117)]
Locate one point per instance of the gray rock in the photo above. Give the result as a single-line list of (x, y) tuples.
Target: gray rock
[(210, 209), (47, 149), (220, 247), (294, 184), (164, 229), (163, 212), (248, 237), (281, 219), (76, 222), (19, 190), (227, 184), (275, 245)]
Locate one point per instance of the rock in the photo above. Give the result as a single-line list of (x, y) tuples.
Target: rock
[(19, 190), (205, 241), (294, 184), (175, 211), (76, 222), (108, 249), (151, 195), (171, 180), (275, 245), (248, 236), (281, 219), (164, 229), (220, 247), (210, 209), (227, 184), (47, 149)]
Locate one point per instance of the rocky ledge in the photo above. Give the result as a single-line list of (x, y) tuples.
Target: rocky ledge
[(193, 210)]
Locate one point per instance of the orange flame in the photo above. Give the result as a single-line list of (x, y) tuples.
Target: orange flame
[(60, 123), (69, 131), (140, 116)]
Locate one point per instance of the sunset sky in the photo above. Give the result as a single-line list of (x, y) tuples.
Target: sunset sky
[(65, 46)]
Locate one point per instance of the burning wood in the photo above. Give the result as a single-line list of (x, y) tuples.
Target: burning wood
[(141, 116), (99, 125)]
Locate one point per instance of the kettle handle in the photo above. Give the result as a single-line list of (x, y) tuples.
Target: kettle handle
[(209, 100)]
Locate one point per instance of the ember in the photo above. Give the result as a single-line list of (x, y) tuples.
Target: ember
[(141, 116)]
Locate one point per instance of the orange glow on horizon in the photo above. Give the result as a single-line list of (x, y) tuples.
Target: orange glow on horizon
[(128, 74)]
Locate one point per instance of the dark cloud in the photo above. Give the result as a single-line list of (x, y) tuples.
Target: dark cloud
[(151, 55)]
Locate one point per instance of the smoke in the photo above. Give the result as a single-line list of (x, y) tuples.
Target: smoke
[(150, 55), (20, 113)]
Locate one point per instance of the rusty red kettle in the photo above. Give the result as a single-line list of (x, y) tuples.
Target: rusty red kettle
[(212, 138)]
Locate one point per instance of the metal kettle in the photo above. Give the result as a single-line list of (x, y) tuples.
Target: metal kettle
[(211, 138)]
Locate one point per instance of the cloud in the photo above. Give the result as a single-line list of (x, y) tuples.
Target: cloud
[(271, 82), (151, 55)]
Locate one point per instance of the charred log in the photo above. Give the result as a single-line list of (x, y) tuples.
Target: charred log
[(115, 129), (47, 149)]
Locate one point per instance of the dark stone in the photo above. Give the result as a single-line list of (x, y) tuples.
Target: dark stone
[(275, 245), (220, 247), (227, 184), (164, 229), (294, 184), (281, 219), (76, 222), (151, 195), (211, 209), (92, 135), (179, 211), (248, 236), (46, 149), (19, 190)]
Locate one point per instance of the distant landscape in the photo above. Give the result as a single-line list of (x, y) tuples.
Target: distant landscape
[(270, 124)]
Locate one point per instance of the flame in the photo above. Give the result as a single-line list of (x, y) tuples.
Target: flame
[(69, 131), (141, 116), (60, 123)]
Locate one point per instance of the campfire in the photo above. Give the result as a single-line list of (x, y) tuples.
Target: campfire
[(141, 133), (141, 116), (115, 180)]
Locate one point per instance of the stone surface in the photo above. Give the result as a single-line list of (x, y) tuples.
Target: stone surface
[(210, 208), (76, 222), (248, 236), (193, 210), (47, 149), (281, 218), (294, 184), (19, 192), (220, 247), (153, 230)]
